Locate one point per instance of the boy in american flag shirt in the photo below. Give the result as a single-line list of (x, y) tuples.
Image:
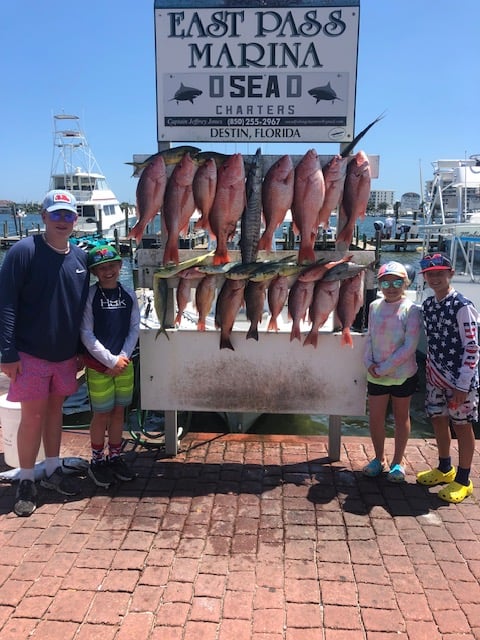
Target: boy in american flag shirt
[(451, 327)]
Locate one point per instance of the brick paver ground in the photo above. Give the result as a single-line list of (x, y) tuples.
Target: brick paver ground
[(243, 537)]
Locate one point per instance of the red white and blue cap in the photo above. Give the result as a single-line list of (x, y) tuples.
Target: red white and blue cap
[(435, 262), (393, 268), (59, 200)]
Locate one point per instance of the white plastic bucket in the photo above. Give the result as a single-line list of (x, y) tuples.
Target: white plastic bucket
[(10, 420)]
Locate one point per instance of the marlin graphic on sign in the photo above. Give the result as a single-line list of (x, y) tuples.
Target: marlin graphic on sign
[(324, 93), (186, 93)]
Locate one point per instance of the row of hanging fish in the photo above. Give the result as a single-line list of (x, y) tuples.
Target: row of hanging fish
[(311, 293), (225, 190)]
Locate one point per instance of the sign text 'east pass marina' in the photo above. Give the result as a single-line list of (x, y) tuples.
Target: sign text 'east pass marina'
[(260, 74)]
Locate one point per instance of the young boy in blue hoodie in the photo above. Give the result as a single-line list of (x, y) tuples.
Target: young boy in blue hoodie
[(109, 332)]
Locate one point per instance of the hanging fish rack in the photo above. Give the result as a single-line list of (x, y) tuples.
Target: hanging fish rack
[(187, 371), (183, 369), (199, 237)]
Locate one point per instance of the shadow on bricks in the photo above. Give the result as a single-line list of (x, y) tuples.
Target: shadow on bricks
[(360, 495)]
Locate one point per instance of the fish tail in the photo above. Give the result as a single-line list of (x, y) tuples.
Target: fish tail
[(136, 232), (357, 138), (221, 258), (306, 255), (201, 223), (324, 219), (272, 324), (171, 253), (178, 318), (312, 339), (252, 333), (347, 337), (295, 333), (225, 343), (265, 242), (164, 331), (345, 235)]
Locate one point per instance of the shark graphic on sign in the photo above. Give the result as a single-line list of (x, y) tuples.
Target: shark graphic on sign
[(186, 93), (324, 93)]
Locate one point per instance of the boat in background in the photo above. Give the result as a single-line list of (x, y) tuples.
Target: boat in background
[(453, 194), (452, 217), (75, 169), (453, 210)]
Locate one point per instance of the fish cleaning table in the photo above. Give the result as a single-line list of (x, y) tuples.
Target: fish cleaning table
[(189, 372)]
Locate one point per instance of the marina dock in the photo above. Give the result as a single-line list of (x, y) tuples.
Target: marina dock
[(198, 241), (411, 244), (125, 245), (7, 241)]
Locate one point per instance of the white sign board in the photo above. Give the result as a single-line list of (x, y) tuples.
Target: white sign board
[(190, 372), (263, 72)]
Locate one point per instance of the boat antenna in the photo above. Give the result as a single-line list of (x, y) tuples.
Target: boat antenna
[(422, 190)]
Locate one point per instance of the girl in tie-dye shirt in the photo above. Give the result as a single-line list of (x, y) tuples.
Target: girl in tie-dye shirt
[(394, 324)]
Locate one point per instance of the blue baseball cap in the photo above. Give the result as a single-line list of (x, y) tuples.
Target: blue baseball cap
[(57, 200)]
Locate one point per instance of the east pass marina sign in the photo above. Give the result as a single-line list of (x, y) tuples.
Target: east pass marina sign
[(260, 71)]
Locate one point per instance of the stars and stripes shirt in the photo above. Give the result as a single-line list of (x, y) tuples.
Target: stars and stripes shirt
[(451, 327)]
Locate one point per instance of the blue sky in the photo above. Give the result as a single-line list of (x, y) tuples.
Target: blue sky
[(417, 62)]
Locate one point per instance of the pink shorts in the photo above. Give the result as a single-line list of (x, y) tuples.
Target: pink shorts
[(41, 378)]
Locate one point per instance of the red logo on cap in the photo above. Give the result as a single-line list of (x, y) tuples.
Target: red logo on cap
[(61, 197)]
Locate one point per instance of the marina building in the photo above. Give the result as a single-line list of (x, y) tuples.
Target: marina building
[(378, 197)]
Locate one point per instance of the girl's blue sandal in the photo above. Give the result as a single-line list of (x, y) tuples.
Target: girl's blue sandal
[(396, 473), (373, 469)]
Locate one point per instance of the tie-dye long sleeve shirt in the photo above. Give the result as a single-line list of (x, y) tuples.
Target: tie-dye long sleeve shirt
[(392, 340), (451, 327)]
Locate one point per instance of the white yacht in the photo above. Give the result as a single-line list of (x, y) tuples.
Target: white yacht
[(453, 213), (75, 169), (453, 209)]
